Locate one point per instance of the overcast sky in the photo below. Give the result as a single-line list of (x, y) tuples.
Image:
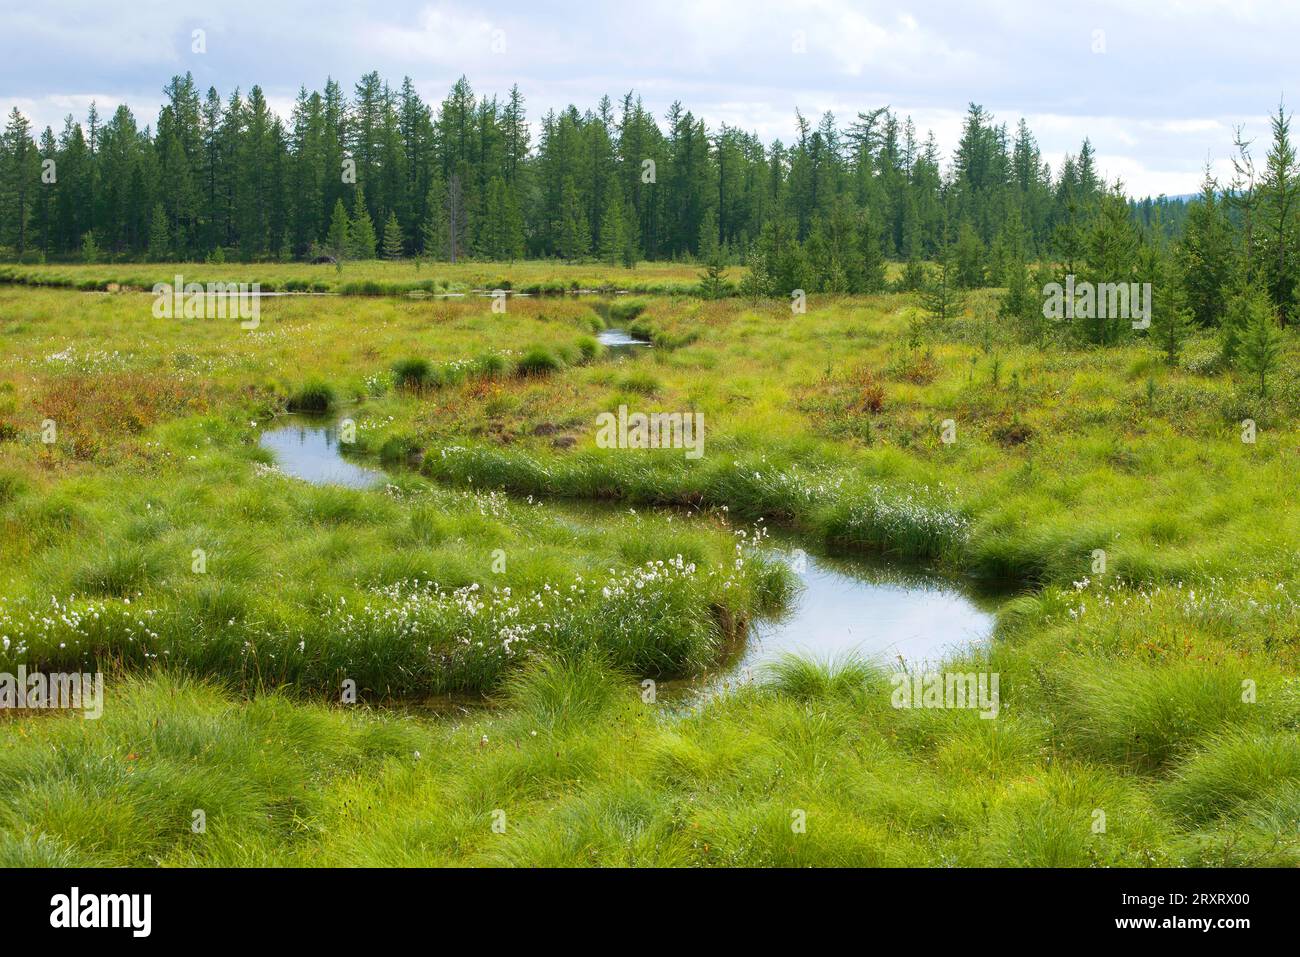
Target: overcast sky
[(1158, 85)]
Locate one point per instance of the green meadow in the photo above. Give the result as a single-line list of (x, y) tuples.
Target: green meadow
[(374, 277), (448, 668)]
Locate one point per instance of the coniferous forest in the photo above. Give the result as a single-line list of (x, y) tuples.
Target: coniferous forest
[(225, 176)]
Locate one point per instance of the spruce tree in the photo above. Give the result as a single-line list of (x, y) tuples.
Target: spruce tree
[(393, 238), (230, 175), (1111, 257), (1205, 255), (434, 229), (575, 235), (19, 175), (1236, 317), (969, 258), (777, 264), (1022, 303), (1019, 304), (361, 231), (159, 236), (914, 277), (707, 240), (1171, 318), (337, 239), (491, 242), (1261, 342), (513, 226), (631, 250), (942, 298), (456, 209), (502, 226), (712, 284), (613, 238), (871, 252)]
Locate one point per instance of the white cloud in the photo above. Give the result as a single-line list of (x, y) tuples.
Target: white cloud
[(1176, 77), (437, 37)]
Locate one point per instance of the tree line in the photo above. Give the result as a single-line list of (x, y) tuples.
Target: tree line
[(381, 172)]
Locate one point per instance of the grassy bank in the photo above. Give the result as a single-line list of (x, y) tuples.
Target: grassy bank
[(407, 590), (575, 770)]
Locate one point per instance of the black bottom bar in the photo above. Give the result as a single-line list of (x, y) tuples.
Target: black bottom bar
[(215, 906)]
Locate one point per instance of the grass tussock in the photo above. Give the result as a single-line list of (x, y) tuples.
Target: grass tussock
[(413, 373), (314, 395), (538, 361)]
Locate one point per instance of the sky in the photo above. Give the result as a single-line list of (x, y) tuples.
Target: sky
[(1159, 86)]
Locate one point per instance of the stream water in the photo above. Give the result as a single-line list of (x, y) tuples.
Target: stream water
[(619, 342), (887, 613), (879, 610)]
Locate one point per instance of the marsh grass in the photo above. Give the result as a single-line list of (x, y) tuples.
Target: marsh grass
[(585, 774), (642, 383), (806, 679), (565, 691), (1233, 770), (336, 601), (1122, 689), (314, 395), (912, 523), (1143, 716), (538, 361), (413, 373), (372, 278)]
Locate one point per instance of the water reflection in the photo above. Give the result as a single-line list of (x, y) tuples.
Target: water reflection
[(308, 447)]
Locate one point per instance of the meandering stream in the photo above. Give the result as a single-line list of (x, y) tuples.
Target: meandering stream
[(884, 611)]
